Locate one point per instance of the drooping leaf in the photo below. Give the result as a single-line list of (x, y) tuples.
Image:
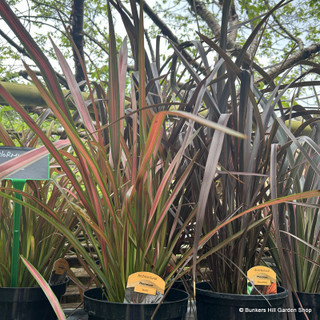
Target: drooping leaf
[(46, 289)]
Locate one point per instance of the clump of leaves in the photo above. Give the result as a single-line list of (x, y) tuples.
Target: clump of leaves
[(120, 179)]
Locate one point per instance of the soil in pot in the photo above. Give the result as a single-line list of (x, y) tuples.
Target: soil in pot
[(310, 303), (28, 303), (221, 306), (98, 308)]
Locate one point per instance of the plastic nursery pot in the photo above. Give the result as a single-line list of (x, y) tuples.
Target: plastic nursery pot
[(310, 305), (174, 307), (184, 284), (28, 303), (220, 306)]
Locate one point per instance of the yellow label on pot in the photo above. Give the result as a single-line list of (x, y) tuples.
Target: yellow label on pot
[(262, 275), (146, 282), (262, 279)]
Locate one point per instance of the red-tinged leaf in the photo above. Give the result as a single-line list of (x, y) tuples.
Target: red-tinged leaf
[(126, 158), (91, 96), (46, 289), (168, 204), (114, 93), (134, 134), (71, 157), (36, 53), (122, 65), (153, 136), (94, 226), (76, 93), (208, 176), (9, 167)]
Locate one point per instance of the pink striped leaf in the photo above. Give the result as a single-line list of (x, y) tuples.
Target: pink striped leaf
[(75, 90), (46, 289)]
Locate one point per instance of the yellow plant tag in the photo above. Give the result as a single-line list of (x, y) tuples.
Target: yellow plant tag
[(146, 282), (261, 279)]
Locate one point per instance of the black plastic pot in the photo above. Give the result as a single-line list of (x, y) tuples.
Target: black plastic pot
[(220, 306), (184, 284), (310, 303), (98, 308), (28, 303)]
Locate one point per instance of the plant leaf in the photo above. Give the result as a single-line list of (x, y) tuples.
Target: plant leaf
[(209, 173), (75, 90), (46, 289)]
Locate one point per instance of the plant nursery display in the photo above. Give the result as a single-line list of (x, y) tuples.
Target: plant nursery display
[(186, 167), (120, 173)]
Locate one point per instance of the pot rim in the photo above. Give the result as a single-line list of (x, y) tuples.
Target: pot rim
[(233, 296), (136, 304)]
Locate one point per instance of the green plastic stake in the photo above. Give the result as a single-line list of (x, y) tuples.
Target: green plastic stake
[(17, 184)]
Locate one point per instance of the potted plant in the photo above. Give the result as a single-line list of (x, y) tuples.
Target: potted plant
[(242, 181), (39, 243), (122, 176), (31, 237), (295, 234)]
